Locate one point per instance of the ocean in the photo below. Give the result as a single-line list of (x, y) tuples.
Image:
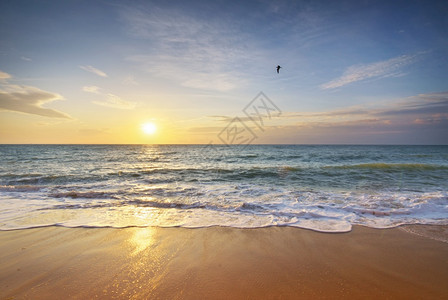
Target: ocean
[(325, 188)]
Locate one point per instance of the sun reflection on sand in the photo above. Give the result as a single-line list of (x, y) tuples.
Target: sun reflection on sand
[(142, 239)]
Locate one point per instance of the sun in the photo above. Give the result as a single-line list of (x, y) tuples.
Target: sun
[(149, 128)]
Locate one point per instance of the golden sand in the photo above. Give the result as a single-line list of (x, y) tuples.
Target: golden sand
[(223, 263)]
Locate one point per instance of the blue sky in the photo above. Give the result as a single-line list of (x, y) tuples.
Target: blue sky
[(352, 71)]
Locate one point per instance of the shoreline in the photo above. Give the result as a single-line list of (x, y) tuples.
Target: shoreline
[(409, 261)]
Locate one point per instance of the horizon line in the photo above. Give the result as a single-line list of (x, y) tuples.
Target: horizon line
[(204, 144)]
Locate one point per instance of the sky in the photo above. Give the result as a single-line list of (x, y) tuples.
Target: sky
[(204, 72)]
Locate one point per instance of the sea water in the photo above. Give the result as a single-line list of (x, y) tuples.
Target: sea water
[(323, 188)]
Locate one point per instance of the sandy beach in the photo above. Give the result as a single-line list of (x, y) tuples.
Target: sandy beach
[(223, 263)]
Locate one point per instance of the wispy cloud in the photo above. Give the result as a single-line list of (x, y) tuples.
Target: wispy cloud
[(195, 52), (423, 117), (4, 75), (27, 99), (109, 100), (130, 80), (92, 131), (420, 106), (93, 70), (25, 58), (388, 68), (91, 89), (420, 119), (114, 101)]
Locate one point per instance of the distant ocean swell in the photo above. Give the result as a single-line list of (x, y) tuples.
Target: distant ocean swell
[(252, 171), (324, 188)]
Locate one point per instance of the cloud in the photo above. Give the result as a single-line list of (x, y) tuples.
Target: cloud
[(92, 131), (93, 70), (227, 119), (25, 58), (27, 99), (110, 100), (130, 80), (420, 119), (186, 72), (196, 52), (423, 109), (419, 105), (4, 75), (387, 68), (91, 89), (115, 102)]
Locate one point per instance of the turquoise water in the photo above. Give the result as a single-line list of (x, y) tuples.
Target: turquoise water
[(324, 188)]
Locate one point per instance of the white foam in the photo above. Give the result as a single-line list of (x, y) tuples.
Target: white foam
[(242, 205)]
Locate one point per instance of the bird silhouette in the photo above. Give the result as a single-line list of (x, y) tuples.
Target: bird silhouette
[(278, 69)]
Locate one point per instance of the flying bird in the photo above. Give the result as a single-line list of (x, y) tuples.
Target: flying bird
[(278, 69)]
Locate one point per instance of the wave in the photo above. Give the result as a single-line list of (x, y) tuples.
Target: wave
[(247, 156), (289, 169), (20, 188), (389, 166), (320, 211), (158, 204), (41, 179), (84, 195)]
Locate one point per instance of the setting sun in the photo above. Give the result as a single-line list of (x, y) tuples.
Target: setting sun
[(149, 128)]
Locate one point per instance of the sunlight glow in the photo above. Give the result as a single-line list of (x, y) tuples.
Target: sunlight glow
[(149, 128)]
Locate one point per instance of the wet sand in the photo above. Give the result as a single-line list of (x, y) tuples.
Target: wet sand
[(224, 263)]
